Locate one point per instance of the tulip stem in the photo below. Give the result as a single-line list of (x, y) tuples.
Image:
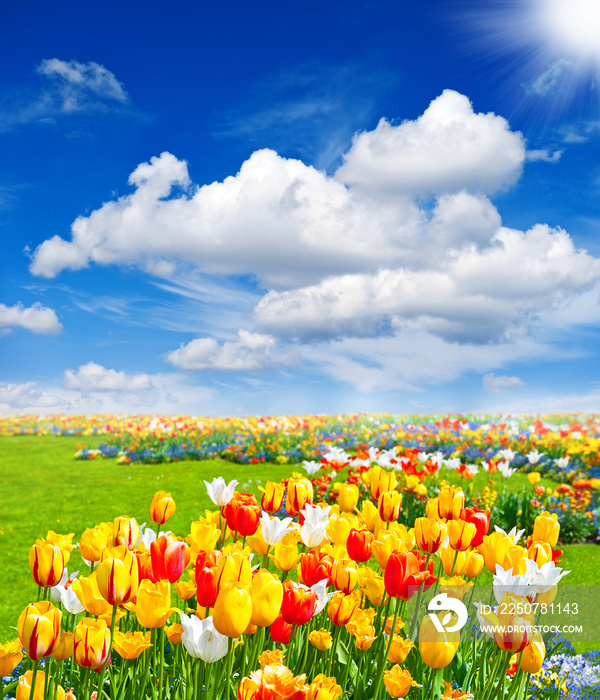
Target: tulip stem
[(230, 652), (34, 669), (336, 635), (105, 664), (160, 636), (387, 652)]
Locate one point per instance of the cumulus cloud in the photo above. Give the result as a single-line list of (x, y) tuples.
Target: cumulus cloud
[(478, 296), (252, 351), (402, 241), (94, 377), (447, 149), (36, 318), (495, 384), (289, 224), (28, 396)]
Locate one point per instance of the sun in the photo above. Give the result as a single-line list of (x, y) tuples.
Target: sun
[(546, 53), (573, 26)]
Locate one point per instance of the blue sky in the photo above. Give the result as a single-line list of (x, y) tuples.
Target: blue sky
[(300, 207)]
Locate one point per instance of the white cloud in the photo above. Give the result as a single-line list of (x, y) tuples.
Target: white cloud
[(69, 87), (495, 384), (77, 80), (448, 149), (289, 224), (551, 79), (29, 395), (252, 351), (94, 377), (545, 155), (169, 393), (478, 296), (35, 318), (415, 360)]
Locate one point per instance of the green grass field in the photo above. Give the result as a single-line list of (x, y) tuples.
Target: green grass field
[(42, 487)]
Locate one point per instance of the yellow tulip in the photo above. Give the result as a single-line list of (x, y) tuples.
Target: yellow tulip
[(370, 515), (130, 645), (285, 556), (381, 481), (437, 648), (534, 478), (398, 681), (344, 575), (461, 534), (494, 549), (341, 608), (203, 536), (23, 690), (86, 589), (257, 543), (399, 649), (540, 553), (63, 649), (431, 509), (162, 507), (429, 534), (153, 603), (266, 594), (348, 497), (533, 655), (94, 540), (11, 655), (473, 565), (320, 639), (374, 589), (92, 643), (174, 632), (233, 610), (515, 559), (386, 542), (47, 562), (451, 501), (117, 575), (233, 567), (389, 504), (546, 528), (126, 531), (185, 589), (339, 530), (451, 559), (39, 628), (323, 688)]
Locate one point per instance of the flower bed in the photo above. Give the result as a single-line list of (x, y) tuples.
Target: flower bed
[(353, 581)]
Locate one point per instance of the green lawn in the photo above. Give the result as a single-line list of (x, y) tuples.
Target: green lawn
[(42, 487)]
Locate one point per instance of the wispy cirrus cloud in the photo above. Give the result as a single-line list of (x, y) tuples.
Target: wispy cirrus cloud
[(68, 87), (309, 110)]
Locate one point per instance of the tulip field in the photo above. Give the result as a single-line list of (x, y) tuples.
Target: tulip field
[(299, 557)]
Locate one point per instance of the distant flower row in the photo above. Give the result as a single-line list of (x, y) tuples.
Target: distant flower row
[(563, 445)]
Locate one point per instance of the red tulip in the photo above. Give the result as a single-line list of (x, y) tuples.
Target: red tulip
[(405, 573), (358, 545), (298, 604), (481, 520), (168, 558)]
